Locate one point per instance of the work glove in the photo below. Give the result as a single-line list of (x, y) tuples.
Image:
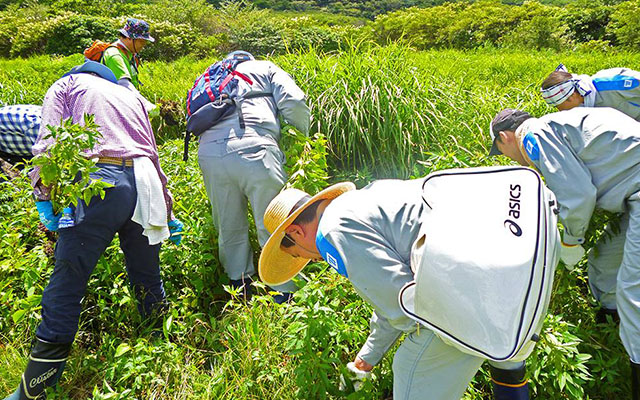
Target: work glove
[(356, 375), (571, 255), (47, 217), (175, 229)]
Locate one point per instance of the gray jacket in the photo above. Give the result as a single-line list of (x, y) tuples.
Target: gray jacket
[(368, 235), (261, 114), (618, 88), (589, 157)]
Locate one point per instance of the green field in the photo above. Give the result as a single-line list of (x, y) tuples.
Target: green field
[(386, 112)]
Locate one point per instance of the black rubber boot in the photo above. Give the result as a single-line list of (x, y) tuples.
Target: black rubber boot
[(44, 369), (509, 384), (635, 381), (601, 316)]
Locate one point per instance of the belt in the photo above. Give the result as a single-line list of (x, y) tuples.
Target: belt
[(116, 161)]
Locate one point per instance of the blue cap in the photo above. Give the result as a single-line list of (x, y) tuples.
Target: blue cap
[(240, 55), (136, 29), (92, 66)]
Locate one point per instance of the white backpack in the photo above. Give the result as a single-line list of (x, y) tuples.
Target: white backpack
[(484, 260)]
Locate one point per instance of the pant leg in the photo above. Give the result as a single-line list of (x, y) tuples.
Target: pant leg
[(604, 262), (628, 289), (229, 211), (77, 252), (143, 268), (425, 368), (261, 178)]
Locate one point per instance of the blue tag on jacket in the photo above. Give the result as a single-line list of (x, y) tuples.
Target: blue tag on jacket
[(330, 254)]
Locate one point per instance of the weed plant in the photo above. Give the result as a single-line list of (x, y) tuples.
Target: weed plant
[(383, 112)]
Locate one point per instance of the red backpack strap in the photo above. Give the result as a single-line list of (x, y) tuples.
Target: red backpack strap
[(243, 76), (206, 72), (231, 75), (207, 86)]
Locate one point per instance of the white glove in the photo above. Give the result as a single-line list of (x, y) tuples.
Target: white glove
[(356, 375), (571, 255)]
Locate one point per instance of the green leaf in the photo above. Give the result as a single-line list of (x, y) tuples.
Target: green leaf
[(18, 315), (122, 349)]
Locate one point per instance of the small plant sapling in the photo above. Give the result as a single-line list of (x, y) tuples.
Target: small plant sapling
[(64, 167)]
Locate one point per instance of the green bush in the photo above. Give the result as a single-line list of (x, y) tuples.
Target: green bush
[(259, 38), (423, 28), (587, 20), (540, 32), (73, 34), (625, 24), (172, 41)]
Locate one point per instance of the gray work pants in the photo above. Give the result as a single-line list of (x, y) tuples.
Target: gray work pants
[(426, 368), (232, 179), (614, 275)]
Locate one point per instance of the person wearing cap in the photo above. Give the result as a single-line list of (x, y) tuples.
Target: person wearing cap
[(19, 125), (366, 235), (617, 88), (590, 157), (137, 207), (122, 56), (242, 163)]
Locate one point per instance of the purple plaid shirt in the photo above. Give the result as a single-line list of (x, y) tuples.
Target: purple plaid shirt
[(121, 115)]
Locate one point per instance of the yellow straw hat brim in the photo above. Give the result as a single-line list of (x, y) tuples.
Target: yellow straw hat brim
[(275, 266)]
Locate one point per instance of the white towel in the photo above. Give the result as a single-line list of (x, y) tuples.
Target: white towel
[(151, 210)]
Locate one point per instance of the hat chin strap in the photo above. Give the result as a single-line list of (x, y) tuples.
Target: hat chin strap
[(296, 243)]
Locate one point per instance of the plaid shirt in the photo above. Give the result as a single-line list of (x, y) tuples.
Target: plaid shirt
[(120, 114), (19, 125)]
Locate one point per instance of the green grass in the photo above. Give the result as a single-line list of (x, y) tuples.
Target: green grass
[(386, 112)]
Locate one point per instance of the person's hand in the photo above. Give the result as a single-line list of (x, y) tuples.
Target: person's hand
[(570, 255), (175, 229), (356, 374), (362, 365), (47, 217)]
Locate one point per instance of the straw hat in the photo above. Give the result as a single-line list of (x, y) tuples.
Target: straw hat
[(277, 267)]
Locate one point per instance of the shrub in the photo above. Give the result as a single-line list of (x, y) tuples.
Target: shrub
[(587, 21), (422, 27), (172, 41), (625, 24), (76, 32), (260, 38), (540, 32)]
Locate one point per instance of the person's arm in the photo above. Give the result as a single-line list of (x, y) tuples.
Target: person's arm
[(149, 106), (381, 337), (632, 95), (54, 110), (290, 100), (377, 273), (570, 180)]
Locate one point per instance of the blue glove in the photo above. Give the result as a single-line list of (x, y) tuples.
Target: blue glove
[(175, 227), (47, 217)]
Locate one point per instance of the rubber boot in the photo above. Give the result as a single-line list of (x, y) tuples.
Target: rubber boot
[(601, 316), (509, 384), (635, 381), (46, 363)]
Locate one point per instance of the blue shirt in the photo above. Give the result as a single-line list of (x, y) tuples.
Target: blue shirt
[(19, 125)]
